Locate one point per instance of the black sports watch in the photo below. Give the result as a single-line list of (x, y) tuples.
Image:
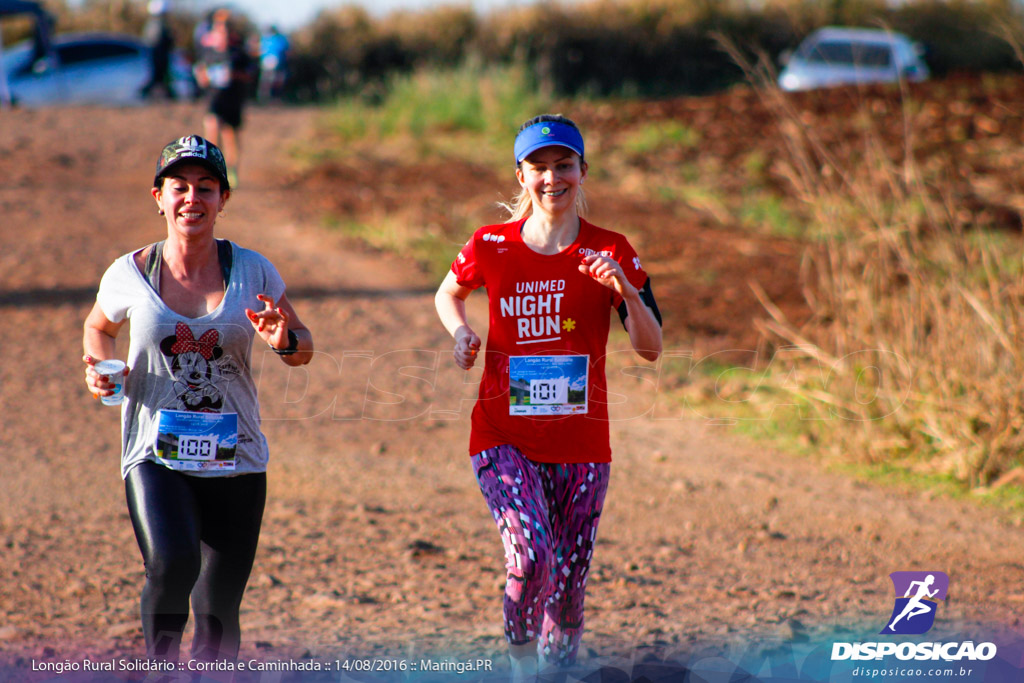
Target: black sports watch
[(293, 345)]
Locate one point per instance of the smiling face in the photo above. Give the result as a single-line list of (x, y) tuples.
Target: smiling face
[(190, 197), (552, 176)]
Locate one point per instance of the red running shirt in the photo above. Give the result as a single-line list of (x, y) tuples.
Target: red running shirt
[(542, 305)]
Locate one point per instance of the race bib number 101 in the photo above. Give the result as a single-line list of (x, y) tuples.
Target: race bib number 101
[(548, 385)]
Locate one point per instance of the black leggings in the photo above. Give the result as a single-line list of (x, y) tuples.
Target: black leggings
[(198, 538)]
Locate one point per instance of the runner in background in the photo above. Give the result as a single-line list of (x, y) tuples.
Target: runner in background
[(225, 69), (540, 440), (193, 457), (158, 36), (273, 64), (201, 28)]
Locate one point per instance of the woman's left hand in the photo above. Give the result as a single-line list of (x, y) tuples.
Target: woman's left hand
[(608, 272), (271, 323)]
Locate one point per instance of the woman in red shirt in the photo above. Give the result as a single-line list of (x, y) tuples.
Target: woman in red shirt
[(539, 441)]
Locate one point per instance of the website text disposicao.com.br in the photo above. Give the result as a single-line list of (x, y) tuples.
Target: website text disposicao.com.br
[(953, 660), (901, 672)]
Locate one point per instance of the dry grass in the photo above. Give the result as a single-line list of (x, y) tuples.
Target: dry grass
[(914, 354)]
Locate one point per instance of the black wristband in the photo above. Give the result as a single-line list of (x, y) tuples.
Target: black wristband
[(293, 345)]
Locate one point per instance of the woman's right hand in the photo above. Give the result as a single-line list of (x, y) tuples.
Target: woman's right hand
[(467, 345), (99, 385)]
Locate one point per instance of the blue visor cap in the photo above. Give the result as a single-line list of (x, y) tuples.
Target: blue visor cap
[(547, 134)]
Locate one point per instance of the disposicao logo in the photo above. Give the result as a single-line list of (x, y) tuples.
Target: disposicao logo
[(917, 600), (913, 613)]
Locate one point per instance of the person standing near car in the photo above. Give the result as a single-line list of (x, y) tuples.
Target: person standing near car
[(273, 64), (225, 70), (160, 40), (193, 456), (539, 442)]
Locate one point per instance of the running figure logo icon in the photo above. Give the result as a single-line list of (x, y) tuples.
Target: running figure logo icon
[(917, 599)]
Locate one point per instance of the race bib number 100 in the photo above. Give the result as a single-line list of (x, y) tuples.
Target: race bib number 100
[(197, 442), (548, 385)]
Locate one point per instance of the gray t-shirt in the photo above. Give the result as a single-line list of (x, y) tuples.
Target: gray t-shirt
[(190, 400)]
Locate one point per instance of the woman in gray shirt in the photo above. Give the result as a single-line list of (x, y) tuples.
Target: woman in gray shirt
[(192, 454)]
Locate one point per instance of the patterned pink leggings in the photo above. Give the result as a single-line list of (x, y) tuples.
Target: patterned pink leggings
[(547, 515)]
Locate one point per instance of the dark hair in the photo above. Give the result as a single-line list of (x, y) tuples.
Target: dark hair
[(548, 118), (158, 182)]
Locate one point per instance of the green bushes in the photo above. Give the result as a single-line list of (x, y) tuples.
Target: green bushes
[(490, 101), (120, 16), (960, 36)]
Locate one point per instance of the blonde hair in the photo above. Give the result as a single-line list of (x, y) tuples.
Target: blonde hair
[(521, 205)]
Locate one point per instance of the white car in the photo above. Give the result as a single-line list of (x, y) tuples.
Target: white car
[(87, 68), (836, 56)]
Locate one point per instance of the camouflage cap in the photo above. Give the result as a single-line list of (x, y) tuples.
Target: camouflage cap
[(194, 149)]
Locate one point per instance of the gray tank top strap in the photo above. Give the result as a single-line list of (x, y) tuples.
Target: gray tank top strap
[(152, 269), (156, 254), (224, 255)]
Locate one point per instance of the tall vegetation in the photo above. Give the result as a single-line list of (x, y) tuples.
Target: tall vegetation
[(119, 16), (483, 100), (915, 353)]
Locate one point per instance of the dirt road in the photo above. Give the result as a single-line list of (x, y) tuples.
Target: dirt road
[(376, 540)]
